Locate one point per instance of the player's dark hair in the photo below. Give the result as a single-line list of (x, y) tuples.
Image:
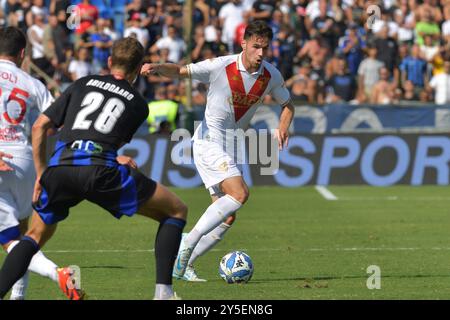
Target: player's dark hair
[(258, 28), (12, 41), (127, 54)]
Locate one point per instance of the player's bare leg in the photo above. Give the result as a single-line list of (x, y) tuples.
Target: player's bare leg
[(39, 264), (236, 194), (166, 208), (19, 258), (18, 291)]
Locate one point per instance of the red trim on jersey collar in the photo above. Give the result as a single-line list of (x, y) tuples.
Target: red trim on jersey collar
[(242, 101)]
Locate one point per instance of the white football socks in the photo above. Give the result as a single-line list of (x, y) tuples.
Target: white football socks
[(163, 291), (40, 264), (19, 288), (207, 242), (213, 216)]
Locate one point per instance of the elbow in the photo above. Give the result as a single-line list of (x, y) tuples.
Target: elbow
[(40, 126)]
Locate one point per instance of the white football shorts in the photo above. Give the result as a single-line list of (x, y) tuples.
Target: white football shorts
[(214, 164), (16, 191)]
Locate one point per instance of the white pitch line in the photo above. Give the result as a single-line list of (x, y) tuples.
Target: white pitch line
[(327, 194), (267, 249), (343, 249)]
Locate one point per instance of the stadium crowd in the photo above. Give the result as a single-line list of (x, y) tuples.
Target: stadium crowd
[(327, 51)]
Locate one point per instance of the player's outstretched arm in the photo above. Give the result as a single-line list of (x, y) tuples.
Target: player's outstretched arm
[(170, 70), (282, 133)]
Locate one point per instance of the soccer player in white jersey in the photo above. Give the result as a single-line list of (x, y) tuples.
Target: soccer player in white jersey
[(22, 98), (237, 85)]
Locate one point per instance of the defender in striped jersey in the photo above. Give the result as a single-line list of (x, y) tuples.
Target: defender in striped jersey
[(96, 116)]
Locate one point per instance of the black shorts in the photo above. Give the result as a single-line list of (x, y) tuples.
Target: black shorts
[(119, 190)]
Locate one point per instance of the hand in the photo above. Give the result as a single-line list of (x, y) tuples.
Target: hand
[(282, 137), (148, 69), (3, 165), (37, 190), (127, 161)]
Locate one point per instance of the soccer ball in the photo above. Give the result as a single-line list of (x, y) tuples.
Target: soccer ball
[(236, 267)]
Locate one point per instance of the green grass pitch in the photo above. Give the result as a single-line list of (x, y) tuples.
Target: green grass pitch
[(302, 245)]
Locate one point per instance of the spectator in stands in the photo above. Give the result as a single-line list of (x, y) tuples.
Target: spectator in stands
[(173, 43), (284, 51), (135, 6), (153, 22), (313, 47), (276, 23), (384, 89), (240, 30), (387, 50), (162, 109), (61, 36), (352, 47), (135, 30), (440, 84), (387, 22), (48, 41), (218, 47), (263, 10), (102, 44), (341, 87), (201, 13), (300, 85), (426, 26), (405, 33), (368, 74), (409, 94), (88, 15), (325, 25), (36, 37), (80, 66), (230, 16), (199, 42), (428, 11), (446, 26), (413, 68), (428, 49), (318, 78), (118, 15)]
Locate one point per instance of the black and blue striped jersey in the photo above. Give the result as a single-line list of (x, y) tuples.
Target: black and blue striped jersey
[(97, 115)]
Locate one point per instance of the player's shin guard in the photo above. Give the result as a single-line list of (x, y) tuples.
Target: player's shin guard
[(166, 248), (208, 241), (16, 264), (213, 216)]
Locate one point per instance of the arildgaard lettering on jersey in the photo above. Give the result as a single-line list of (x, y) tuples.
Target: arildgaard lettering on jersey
[(111, 88)]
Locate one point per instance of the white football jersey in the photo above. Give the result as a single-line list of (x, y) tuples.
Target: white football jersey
[(234, 94), (22, 99)]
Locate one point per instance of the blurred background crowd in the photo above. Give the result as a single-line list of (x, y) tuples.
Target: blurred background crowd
[(325, 49)]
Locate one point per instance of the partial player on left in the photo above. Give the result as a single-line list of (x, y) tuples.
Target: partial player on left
[(22, 99)]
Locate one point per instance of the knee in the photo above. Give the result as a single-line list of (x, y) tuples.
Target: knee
[(180, 211), (34, 234), (242, 195)]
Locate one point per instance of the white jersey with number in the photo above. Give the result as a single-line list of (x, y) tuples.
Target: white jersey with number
[(22, 99), (234, 95)]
